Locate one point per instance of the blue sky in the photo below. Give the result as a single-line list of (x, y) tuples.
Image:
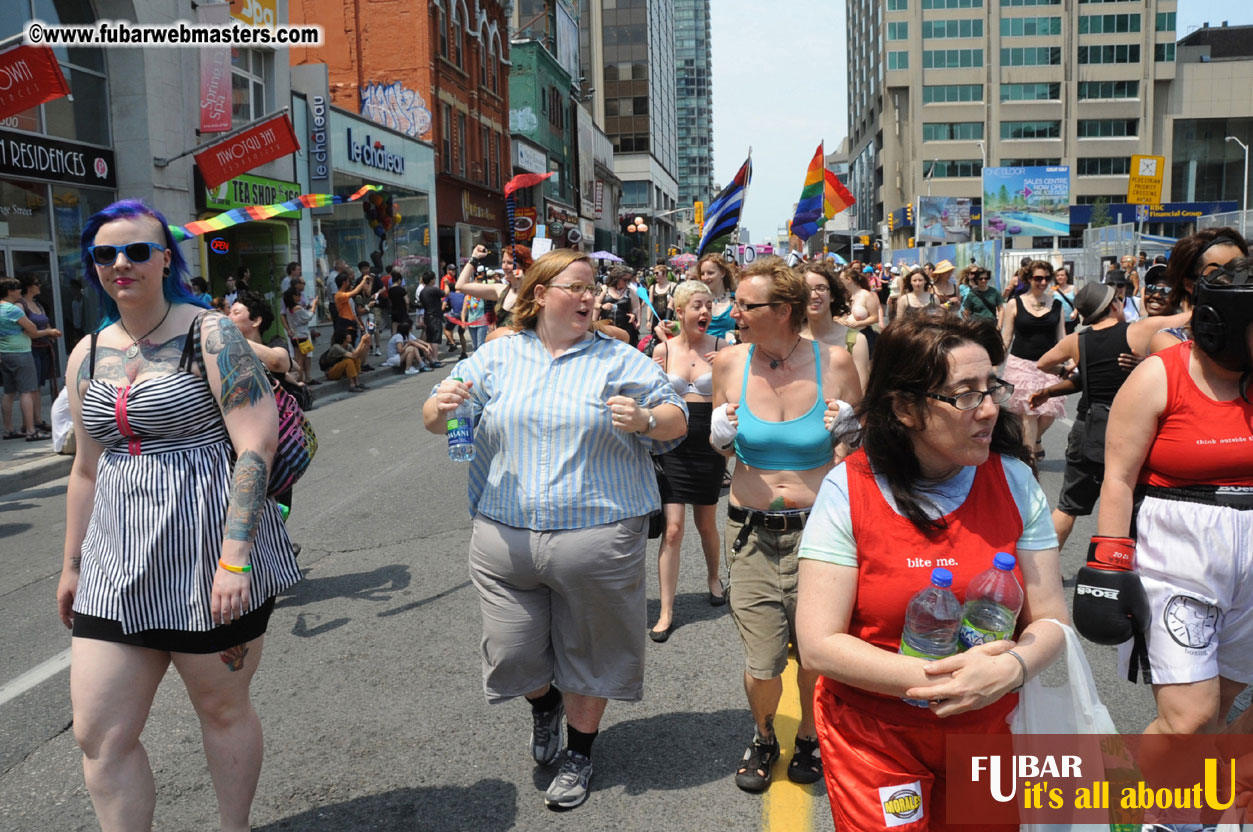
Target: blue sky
[(779, 85)]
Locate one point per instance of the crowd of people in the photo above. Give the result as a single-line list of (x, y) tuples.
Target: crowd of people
[(872, 414)]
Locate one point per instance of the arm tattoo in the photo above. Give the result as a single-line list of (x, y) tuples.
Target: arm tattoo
[(243, 511), (243, 377), (76, 562)]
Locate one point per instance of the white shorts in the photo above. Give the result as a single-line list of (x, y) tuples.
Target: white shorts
[(1196, 564), (394, 361)]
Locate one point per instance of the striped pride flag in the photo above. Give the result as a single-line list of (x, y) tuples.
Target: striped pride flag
[(252, 213), (723, 214), (809, 208), (835, 197)]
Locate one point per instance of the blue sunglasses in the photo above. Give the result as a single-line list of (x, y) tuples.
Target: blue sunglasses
[(135, 252)]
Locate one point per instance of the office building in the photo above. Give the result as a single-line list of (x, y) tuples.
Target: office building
[(628, 60), (694, 88), (938, 88)]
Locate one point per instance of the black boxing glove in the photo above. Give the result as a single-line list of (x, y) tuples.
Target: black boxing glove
[(1110, 603)]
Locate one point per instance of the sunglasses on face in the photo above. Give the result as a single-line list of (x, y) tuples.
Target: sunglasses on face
[(1156, 289), (135, 253), (1039, 277)]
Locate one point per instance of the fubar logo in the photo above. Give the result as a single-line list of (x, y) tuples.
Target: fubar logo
[(902, 804)]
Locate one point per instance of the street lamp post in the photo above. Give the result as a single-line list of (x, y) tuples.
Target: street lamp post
[(1244, 203)]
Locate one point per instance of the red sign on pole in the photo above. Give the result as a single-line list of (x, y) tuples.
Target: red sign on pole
[(215, 74), (241, 153), (29, 75)]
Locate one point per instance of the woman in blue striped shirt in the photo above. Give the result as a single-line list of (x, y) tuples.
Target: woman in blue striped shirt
[(560, 489)]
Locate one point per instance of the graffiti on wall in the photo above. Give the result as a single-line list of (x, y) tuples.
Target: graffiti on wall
[(396, 106), (523, 120)]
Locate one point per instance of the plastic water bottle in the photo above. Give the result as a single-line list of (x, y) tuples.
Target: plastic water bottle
[(931, 622), (993, 601), (461, 432)]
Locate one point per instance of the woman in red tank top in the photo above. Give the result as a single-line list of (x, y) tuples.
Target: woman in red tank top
[(938, 482), (1179, 479)]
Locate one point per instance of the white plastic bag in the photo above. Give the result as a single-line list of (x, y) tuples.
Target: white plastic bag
[(62, 423), (1062, 699)]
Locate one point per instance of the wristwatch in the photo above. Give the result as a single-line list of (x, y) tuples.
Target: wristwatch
[(652, 423)]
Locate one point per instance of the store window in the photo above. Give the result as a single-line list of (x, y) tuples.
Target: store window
[(24, 210), (84, 115), (71, 208)]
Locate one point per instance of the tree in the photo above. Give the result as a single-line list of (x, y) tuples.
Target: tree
[(1100, 214)]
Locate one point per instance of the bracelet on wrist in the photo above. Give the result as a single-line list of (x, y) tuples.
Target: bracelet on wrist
[(1021, 664), (238, 570)]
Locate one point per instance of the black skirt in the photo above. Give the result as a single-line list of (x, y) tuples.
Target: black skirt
[(241, 631), (692, 473)]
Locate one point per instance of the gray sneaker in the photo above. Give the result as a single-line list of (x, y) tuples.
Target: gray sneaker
[(546, 735), (570, 787)]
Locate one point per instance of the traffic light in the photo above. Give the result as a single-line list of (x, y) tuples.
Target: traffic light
[(700, 214), (891, 221), (877, 245), (865, 239), (909, 214), (911, 243)]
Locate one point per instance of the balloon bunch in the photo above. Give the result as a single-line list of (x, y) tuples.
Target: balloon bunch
[(381, 212)]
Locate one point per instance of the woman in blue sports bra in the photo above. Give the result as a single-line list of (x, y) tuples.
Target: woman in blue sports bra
[(772, 401), (719, 275), (691, 474)]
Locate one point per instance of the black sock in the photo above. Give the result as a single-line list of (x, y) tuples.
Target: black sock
[(578, 742), (546, 702)]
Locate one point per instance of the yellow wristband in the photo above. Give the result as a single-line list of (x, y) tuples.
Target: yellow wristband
[(238, 570)]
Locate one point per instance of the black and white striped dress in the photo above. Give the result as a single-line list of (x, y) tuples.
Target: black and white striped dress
[(156, 528)]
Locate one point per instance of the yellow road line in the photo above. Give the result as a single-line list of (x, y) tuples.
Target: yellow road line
[(788, 807)]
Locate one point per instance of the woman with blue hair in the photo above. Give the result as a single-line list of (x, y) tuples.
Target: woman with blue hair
[(173, 552)]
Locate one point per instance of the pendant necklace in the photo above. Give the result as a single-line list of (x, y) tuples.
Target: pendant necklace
[(775, 362), (133, 349)]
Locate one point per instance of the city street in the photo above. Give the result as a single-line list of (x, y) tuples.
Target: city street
[(370, 688)]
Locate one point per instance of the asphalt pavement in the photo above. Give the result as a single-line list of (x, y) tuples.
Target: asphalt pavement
[(370, 688)]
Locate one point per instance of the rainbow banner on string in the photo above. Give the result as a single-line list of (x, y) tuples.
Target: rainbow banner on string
[(253, 213)]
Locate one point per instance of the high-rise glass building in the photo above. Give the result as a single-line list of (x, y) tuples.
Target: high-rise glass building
[(694, 85), (627, 58)]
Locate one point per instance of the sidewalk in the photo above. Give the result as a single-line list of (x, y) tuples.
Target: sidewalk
[(26, 464)]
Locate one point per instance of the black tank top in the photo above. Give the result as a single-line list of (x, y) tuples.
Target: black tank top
[(1103, 375), (1033, 336)]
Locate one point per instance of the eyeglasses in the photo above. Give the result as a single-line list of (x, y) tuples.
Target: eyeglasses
[(135, 252), (824, 289), (980, 277), (1039, 277), (971, 399), (1156, 289), (575, 289), (746, 307)]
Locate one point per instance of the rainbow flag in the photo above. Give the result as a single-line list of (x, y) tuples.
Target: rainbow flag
[(809, 208), (252, 213), (835, 197)]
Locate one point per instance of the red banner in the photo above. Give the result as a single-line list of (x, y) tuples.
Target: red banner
[(241, 153), (29, 75), (215, 74)]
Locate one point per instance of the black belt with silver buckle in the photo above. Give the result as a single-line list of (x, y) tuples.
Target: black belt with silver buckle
[(773, 521), (1239, 498)]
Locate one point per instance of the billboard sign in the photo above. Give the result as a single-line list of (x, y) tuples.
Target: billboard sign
[(1026, 202), (943, 219)]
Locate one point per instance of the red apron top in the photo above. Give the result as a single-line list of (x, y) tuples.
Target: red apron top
[(1199, 441), (895, 561)]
